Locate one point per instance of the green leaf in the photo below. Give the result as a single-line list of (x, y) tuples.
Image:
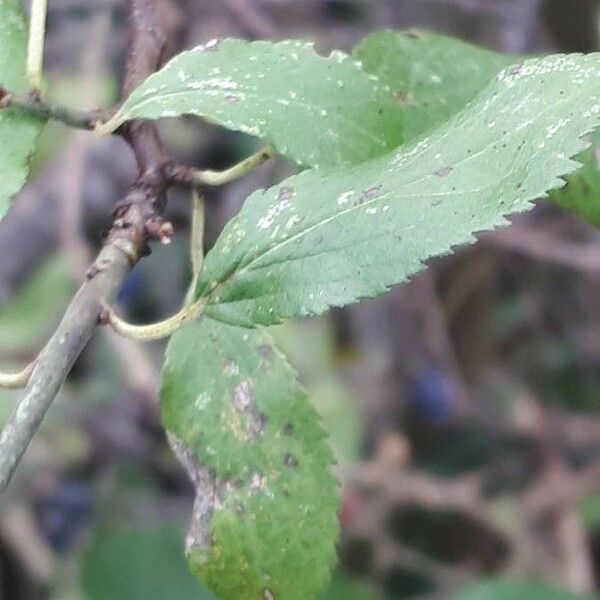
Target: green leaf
[(329, 238), (18, 131), (311, 347), (35, 309), (581, 195), (317, 111), (588, 511), (135, 564), (432, 76), (264, 523), (508, 590)]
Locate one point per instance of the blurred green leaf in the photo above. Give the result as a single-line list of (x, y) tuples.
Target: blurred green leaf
[(589, 511), (32, 313), (343, 588), (139, 565), (581, 195), (18, 131)]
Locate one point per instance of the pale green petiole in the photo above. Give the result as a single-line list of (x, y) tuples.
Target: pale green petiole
[(155, 331), (242, 168), (14, 381), (35, 48)]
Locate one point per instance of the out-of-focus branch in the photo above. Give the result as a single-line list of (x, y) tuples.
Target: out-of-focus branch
[(137, 219), (141, 373), (546, 247), (251, 19)]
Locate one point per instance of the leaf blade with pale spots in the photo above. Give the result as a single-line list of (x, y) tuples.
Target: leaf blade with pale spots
[(325, 239), (18, 131), (317, 111), (265, 517), (432, 76)]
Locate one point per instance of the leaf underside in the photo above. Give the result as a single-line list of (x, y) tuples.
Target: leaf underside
[(264, 522), (18, 131), (328, 238), (317, 111)]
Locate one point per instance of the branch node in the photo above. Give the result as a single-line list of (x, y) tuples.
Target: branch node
[(159, 229)]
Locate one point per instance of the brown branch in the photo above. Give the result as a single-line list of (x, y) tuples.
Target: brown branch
[(137, 219), (546, 247), (72, 117)]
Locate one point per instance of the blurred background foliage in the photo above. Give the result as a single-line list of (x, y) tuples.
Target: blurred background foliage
[(463, 407)]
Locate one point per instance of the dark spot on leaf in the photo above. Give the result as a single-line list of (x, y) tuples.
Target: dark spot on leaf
[(265, 351), (285, 193), (245, 403), (230, 367), (368, 194), (207, 489), (516, 69), (413, 34), (4, 98), (257, 481), (404, 99), (242, 396), (290, 460), (288, 429), (443, 171)]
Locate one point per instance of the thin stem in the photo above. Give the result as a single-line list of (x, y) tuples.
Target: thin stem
[(235, 172), (71, 117), (197, 177), (155, 331), (196, 242), (35, 49), (197, 234), (15, 381)]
